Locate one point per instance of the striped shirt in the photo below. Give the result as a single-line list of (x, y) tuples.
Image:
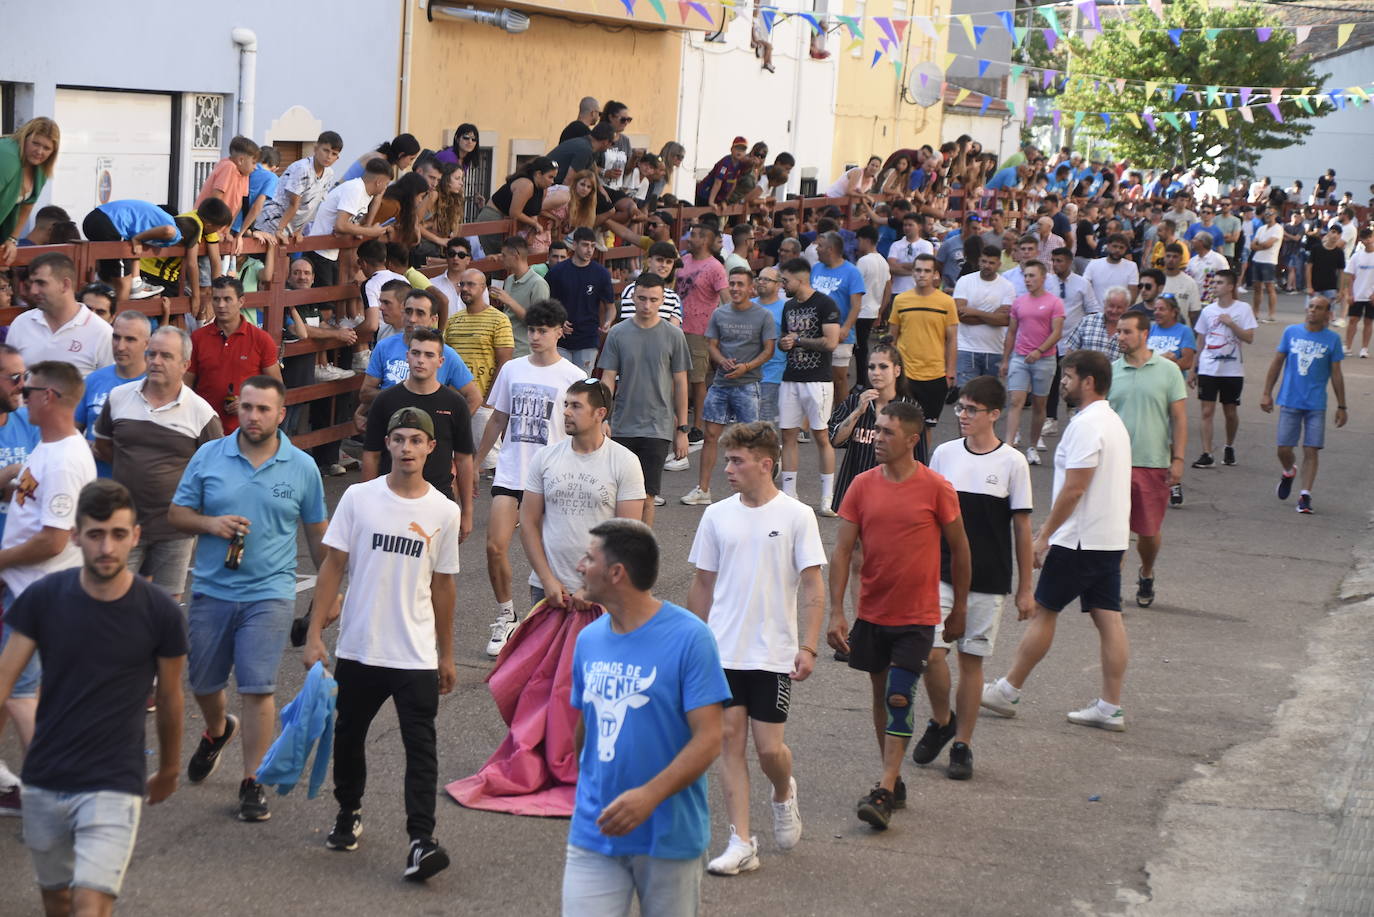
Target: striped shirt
[(671, 310)]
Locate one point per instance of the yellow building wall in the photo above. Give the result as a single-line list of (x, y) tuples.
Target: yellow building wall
[(522, 90), (871, 117)]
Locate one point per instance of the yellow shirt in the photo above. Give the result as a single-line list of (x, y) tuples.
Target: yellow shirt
[(169, 268), (918, 325), (1157, 254), (475, 336)]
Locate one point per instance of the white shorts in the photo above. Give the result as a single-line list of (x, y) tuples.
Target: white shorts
[(479, 426), (842, 354), (806, 403), (981, 623)]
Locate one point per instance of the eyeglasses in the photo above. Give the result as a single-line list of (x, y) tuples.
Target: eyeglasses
[(962, 408), (763, 279)]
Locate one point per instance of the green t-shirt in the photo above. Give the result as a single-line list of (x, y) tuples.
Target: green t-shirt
[(1141, 398)]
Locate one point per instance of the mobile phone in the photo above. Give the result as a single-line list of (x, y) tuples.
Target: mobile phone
[(389, 222)]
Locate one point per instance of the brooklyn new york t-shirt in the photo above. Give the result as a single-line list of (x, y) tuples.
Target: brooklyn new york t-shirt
[(532, 397)]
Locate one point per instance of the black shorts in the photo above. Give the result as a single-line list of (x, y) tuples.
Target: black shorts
[(652, 453), (519, 495), (874, 647), (1361, 310), (96, 227), (766, 696), (326, 271), (930, 395), (1092, 577), (1227, 388)]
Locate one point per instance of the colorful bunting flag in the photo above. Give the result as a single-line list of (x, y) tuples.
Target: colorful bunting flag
[(1343, 33), (950, 58), (1192, 119), (877, 56), (1078, 117), (810, 20), (1132, 35), (767, 15), (965, 20), (1179, 90), (1157, 7), (1245, 95), (1021, 32), (960, 96), (1107, 118), (706, 14), (1247, 114), (1008, 23), (629, 7), (1047, 13), (982, 109), (1057, 115), (900, 25), (885, 24), (1047, 77), (1300, 34), (1150, 120), (1089, 10), (1212, 34), (1030, 111), (1172, 118), (1211, 95), (1220, 116), (658, 8), (1274, 110), (1120, 86), (925, 25), (852, 24), (1263, 33), (1175, 35), (983, 67), (978, 32), (1150, 87), (1131, 117), (1275, 93), (1016, 71), (1051, 39)]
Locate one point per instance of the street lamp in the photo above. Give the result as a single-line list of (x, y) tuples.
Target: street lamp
[(507, 20)]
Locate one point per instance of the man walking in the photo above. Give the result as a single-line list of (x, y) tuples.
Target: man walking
[(1264, 261), (244, 496), (1308, 356), (128, 342), (1359, 292), (1035, 325), (900, 510), (925, 328), (810, 332), (397, 537), (1222, 330), (649, 686), (752, 552), (104, 633), (1080, 545), (1150, 397)]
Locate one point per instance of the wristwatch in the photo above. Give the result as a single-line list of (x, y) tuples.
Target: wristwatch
[(683, 428)]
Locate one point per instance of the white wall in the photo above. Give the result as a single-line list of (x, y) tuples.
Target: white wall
[(725, 93)]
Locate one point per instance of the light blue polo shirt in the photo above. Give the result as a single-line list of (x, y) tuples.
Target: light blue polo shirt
[(389, 367), (284, 490)]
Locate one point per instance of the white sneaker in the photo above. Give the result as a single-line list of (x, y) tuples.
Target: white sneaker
[(1051, 428), (1364, 353), (1032, 456), (696, 497), (998, 702), (360, 360), (8, 778), (787, 824), (1338, 323), (141, 289), (740, 856), (825, 510), (659, 501), (1016, 439), (804, 436), (1040, 444), (1092, 715), (1242, 290), (501, 630), (676, 464)]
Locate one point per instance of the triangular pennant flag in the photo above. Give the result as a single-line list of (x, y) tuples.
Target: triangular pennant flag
[(1300, 34), (1275, 93), (950, 58), (1063, 84), (960, 96), (1179, 90), (1343, 34), (1245, 95), (1220, 116), (978, 32), (940, 26), (1016, 71), (982, 109), (683, 8), (1192, 119), (983, 67), (1047, 77), (877, 55), (1021, 33), (925, 25), (1306, 104), (1078, 117), (1211, 95), (1274, 110), (1132, 35), (898, 64), (1230, 99), (852, 25), (1247, 114), (1335, 100), (1212, 34), (1150, 87), (1355, 100), (1106, 119), (1096, 86), (1057, 115), (1120, 86), (1131, 117), (658, 8), (1051, 38), (1030, 112), (900, 25), (629, 7), (1197, 97), (1089, 10), (855, 44), (767, 15), (1047, 13), (1150, 120), (1008, 23), (886, 25), (1157, 7), (965, 20), (811, 21), (1011, 108), (1175, 35), (1360, 91), (1263, 33), (706, 14), (1172, 118)]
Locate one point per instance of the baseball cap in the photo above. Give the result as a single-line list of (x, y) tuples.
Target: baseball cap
[(412, 419), (738, 141)]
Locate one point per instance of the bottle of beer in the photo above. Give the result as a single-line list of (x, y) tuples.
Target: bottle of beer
[(234, 556)]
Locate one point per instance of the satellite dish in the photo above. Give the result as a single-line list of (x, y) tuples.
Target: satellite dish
[(925, 82)]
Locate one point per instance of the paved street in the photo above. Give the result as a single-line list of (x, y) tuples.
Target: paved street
[(1244, 784)]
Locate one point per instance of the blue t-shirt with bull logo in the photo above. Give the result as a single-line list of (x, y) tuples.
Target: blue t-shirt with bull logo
[(1307, 366), (634, 691)]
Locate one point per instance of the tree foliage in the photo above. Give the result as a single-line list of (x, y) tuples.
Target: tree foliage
[(1229, 60)]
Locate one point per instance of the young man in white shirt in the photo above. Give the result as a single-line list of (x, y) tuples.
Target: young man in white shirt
[(1080, 300), (1358, 292), (1113, 270), (877, 277), (527, 405), (344, 211), (984, 303), (752, 552), (1264, 262), (398, 537), (59, 327), (902, 255), (1222, 329), (1080, 546)]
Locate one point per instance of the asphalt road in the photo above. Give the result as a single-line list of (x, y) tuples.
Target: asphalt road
[(1057, 820)]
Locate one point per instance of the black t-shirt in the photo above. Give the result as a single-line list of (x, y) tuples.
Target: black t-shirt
[(575, 129), (452, 430), (99, 659), (1062, 227), (1327, 265), (804, 319), (1084, 249), (771, 246)]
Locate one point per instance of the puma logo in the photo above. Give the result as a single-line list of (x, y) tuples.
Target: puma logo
[(415, 527)]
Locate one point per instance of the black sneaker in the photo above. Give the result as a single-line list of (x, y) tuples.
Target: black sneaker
[(1205, 460), (1228, 455), (876, 808), (1305, 504), (425, 859), (841, 656), (206, 757), (1144, 591), (1176, 495), (695, 436), (899, 795), (960, 762), (1285, 487), (347, 828), (253, 801), (930, 745)]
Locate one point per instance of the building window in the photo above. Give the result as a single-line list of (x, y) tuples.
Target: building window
[(808, 187), (477, 184), (207, 123)]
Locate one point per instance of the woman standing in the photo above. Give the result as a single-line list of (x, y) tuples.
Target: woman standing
[(463, 153), (27, 161), (854, 423), (446, 215), (521, 199), (403, 201), (857, 181), (400, 153)]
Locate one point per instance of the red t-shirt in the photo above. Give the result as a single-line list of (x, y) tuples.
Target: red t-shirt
[(901, 525), (218, 361)]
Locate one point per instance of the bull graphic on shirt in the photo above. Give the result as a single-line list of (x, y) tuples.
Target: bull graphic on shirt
[(614, 689), (24, 487)]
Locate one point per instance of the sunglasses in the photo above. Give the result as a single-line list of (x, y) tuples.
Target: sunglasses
[(28, 390), (470, 137), (13, 378), (456, 253), (624, 119)]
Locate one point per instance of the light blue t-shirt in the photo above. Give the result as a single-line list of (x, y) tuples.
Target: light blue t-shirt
[(1003, 180), (282, 492), (772, 370), (261, 180), (839, 283), (634, 691), (98, 385), (388, 364), (1173, 339), (18, 437), (131, 217), (1307, 368)]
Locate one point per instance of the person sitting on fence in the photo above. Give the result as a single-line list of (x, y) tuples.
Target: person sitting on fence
[(301, 190), (344, 212), (397, 155), (200, 231)]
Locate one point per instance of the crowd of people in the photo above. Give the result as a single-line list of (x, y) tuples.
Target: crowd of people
[(138, 449)]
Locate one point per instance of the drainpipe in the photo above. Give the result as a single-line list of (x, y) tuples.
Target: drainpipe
[(247, 41)]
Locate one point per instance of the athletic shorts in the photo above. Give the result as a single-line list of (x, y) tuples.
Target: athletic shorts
[(80, 840), (1363, 309), (930, 395), (518, 495), (1092, 577), (651, 453), (1225, 388), (1149, 499), (980, 624), (805, 405), (1295, 424), (97, 227), (766, 696), (875, 647), (701, 358), (842, 354), (1262, 272)]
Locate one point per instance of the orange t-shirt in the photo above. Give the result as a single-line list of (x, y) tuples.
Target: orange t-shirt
[(225, 177), (901, 525)]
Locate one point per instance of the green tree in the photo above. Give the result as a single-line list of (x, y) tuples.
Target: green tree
[(1230, 59)]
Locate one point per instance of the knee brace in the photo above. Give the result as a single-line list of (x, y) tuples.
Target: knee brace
[(901, 690)]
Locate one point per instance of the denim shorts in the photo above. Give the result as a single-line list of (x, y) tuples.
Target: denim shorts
[(1262, 272), (1295, 422), (768, 401), (164, 562), (597, 885), (972, 365), (80, 840), (26, 686), (248, 637), (1035, 378), (584, 358), (731, 404)]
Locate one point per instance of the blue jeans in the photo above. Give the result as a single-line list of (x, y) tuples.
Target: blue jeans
[(248, 637), (81, 840), (972, 365), (1295, 423), (731, 404), (596, 885), (583, 357), (26, 686)]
